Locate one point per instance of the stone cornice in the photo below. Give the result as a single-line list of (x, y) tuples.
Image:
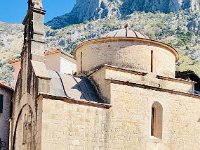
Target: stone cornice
[(136, 72), (132, 71), (136, 39), (175, 80), (153, 88), (117, 69), (73, 101)]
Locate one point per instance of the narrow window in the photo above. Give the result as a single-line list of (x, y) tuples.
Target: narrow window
[(152, 61), (152, 120), (156, 120), (24, 130), (1, 103), (81, 62)]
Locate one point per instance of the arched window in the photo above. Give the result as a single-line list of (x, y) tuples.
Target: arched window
[(156, 120)]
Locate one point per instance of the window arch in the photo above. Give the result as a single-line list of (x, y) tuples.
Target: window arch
[(156, 120)]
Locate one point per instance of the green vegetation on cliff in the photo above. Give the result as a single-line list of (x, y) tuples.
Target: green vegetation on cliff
[(180, 30)]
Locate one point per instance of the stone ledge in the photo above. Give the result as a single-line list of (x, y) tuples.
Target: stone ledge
[(175, 79), (154, 139), (154, 88), (137, 72), (132, 71), (73, 101)]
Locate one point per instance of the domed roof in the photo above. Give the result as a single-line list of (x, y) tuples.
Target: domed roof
[(126, 33)]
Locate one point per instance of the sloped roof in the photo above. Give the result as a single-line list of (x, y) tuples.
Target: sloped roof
[(5, 86), (78, 88), (126, 33)]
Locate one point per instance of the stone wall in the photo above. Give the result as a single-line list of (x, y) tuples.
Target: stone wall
[(5, 116), (73, 126), (132, 95), (134, 54), (52, 62), (126, 125), (25, 132), (131, 119), (148, 79), (102, 85)]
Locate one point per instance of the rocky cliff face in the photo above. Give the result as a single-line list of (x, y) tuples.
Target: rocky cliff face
[(179, 29), (83, 10), (95, 9), (159, 5)]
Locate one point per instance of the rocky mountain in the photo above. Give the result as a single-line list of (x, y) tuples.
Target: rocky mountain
[(165, 6), (83, 10), (11, 39), (96, 9), (92, 19)]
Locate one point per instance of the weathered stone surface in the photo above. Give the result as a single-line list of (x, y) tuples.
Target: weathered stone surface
[(126, 125), (142, 74), (6, 94), (128, 53), (95, 9), (158, 5), (83, 10)]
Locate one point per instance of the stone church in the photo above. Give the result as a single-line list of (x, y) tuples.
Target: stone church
[(124, 96)]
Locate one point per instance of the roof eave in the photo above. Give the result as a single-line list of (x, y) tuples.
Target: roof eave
[(106, 39)]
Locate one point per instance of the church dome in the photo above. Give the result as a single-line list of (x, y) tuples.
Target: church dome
[(125, 32), (127, 49)]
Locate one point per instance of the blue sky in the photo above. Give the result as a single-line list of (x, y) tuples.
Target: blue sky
[(13, 11)]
